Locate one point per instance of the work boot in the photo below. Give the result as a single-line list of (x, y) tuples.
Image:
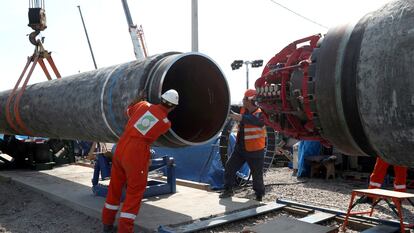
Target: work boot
[(227, 193), (108, 229), (259, 197)]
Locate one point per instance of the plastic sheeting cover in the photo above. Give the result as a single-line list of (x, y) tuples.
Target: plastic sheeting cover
[(201, 163), (307, 149)]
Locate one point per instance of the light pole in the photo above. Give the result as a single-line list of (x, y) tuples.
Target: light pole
[(238, 63)]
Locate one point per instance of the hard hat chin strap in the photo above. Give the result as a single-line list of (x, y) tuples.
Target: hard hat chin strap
[(168, 104)]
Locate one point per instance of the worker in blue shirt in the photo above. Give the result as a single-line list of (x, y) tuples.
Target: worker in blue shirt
[(250, 144)]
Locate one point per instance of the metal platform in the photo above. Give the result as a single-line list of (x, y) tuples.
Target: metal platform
[(285, 224)]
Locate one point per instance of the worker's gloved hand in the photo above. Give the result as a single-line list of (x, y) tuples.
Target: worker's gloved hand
[(235, 116), (140, 97)]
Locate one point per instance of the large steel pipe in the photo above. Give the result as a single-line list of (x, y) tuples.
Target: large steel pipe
[(365, 85), (352, 88), (91, 105)]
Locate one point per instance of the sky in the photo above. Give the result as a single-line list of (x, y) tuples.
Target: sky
[(228, 30)]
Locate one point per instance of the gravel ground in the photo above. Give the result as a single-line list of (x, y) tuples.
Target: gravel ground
[(331, 194), (25, 211)]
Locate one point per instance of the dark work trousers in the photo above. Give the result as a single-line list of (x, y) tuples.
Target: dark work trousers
[(254, 160)]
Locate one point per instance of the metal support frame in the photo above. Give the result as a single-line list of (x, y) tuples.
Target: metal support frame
[(378, 195), (102, 169), (154, 188)]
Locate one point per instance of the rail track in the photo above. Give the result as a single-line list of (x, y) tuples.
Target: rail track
[(285, 216)]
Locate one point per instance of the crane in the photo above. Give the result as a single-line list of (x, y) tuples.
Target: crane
[(137, 34), (37, 21)]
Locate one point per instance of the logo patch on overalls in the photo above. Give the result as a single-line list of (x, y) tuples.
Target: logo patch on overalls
[(145, 123)]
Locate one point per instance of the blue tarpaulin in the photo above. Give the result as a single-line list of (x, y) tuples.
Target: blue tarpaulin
[(196, 163), (201, 163), (307, 149)]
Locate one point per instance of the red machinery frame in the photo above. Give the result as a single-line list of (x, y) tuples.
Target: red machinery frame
[(273, 89)]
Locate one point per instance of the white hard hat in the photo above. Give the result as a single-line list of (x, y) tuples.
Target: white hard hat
[(171, 96)]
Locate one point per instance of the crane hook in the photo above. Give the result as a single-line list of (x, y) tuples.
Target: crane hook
[(33, 40)]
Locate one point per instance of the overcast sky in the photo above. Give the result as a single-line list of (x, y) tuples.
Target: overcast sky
[(228, 30)]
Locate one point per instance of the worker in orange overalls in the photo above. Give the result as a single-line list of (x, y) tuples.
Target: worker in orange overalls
[(380, 170), (250, 144), (131, 160)]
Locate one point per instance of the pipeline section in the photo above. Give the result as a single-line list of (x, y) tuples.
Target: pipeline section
[(91, 106), (353, 89)]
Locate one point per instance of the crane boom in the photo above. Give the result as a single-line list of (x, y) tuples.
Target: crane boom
[(134, 32)]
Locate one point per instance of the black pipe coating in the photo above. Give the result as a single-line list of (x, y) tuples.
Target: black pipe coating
[(91, 106), (365, 85)]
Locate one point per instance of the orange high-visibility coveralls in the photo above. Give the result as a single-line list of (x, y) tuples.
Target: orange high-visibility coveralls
[(130, 162), (380, 170)]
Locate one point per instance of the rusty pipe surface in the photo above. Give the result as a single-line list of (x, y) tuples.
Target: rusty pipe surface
[(91, 106)]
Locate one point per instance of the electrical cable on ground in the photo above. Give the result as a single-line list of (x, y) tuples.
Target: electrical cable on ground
[(286, 183), (249, 184)]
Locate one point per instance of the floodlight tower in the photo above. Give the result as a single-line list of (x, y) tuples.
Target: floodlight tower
[(238, 63)]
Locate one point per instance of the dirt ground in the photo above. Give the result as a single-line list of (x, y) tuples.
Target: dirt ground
[(23, 211)]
